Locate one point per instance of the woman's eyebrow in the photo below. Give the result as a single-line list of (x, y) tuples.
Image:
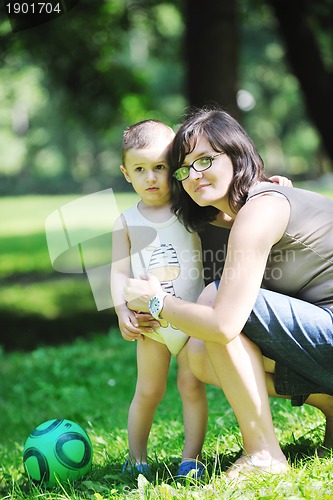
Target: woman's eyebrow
[(200, 155)]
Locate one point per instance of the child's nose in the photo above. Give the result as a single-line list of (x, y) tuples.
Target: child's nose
[(151, 175)]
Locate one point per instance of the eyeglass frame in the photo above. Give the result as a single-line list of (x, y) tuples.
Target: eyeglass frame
[(211, 158)]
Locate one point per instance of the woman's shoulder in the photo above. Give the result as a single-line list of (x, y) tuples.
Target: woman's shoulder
[(271, 188), (265, 219)]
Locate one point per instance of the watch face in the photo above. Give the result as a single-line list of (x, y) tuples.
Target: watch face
[(155, 305)]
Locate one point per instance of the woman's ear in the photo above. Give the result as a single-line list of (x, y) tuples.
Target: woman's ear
[(125, 173)]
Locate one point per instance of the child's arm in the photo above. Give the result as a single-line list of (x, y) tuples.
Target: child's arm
[(281, 181), (120, 272)]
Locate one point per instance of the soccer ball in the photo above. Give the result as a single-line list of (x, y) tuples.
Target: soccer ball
[(57, 451)]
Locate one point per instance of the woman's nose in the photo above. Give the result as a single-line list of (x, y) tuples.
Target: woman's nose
[(194, 175)]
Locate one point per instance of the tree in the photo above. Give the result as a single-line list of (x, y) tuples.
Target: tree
[(106, 64), (211, 53), (306, 29)]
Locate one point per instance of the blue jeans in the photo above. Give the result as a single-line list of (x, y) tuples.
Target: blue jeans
[(299, 337)]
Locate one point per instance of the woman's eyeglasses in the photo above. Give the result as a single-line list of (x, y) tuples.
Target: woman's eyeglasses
[(198, 165)]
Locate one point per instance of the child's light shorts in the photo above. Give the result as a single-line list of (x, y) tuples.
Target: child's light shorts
[(299, 337), (174, 339)]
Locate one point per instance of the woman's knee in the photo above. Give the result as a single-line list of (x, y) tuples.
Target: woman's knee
[(208, 295), (200, 364)]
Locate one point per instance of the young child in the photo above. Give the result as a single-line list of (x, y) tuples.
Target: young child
[(148, 238)]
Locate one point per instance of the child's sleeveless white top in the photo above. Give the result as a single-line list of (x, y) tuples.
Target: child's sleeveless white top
[(173, 254)]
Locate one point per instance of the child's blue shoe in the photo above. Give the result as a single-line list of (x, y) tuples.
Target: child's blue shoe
[(136, 469), (191, 469)]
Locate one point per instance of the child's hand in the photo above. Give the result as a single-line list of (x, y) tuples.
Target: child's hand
[(128, 324), (281, 181), (133, 324), (146, 322)]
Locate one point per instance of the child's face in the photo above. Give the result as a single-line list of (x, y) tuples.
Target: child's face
[(148, 171)]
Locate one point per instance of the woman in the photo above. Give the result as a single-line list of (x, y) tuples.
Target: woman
[(268, 329)]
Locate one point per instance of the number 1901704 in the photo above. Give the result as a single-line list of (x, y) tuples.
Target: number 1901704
[(33, 8)]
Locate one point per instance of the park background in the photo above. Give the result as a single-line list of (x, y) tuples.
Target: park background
[(68, 89)]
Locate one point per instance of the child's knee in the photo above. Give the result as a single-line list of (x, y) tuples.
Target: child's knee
[(189, 386), (149, 393)]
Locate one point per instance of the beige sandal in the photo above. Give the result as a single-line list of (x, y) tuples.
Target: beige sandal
[(252, 465)]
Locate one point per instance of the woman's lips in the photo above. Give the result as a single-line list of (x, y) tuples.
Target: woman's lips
[(202, 186)]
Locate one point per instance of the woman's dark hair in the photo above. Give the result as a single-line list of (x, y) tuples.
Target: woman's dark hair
[(225, 135)]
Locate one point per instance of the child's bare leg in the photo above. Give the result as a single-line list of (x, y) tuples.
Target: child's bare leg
[(195, 408), (153, 359)]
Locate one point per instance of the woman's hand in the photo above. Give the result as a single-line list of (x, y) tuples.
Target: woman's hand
[(139, 292)]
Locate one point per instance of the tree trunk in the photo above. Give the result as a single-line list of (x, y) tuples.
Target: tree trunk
[(212, 53), (306, 63)]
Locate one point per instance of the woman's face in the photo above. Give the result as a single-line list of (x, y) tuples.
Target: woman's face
[(211, 186)]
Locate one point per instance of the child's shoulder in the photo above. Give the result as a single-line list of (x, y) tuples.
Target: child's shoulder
[(120, 222)]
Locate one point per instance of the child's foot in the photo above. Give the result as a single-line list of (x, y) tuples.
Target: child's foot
[(253, 465), (191, 469), (135, 469)]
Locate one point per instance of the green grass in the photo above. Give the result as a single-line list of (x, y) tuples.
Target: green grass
[(91, 381), (31, 290), (22, 231)]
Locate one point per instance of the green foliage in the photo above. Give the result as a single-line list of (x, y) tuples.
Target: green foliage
[(72, 85), (104, 65), (278, 120)]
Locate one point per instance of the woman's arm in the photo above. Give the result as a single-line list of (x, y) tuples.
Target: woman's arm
[(258, 226)]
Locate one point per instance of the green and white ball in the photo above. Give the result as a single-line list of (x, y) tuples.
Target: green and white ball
[(57, 451)]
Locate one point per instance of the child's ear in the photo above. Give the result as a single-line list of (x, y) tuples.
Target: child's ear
[(124, 171)]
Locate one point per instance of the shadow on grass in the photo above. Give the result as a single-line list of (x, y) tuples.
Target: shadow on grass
[(25, 332), (165, 472)]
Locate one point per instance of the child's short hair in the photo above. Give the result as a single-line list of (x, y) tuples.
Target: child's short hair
[(142, 134)]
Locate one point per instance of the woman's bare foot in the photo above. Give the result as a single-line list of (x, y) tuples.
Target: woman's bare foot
[(247, 464)]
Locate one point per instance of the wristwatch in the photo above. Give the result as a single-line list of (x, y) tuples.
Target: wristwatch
[(156, 305)]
